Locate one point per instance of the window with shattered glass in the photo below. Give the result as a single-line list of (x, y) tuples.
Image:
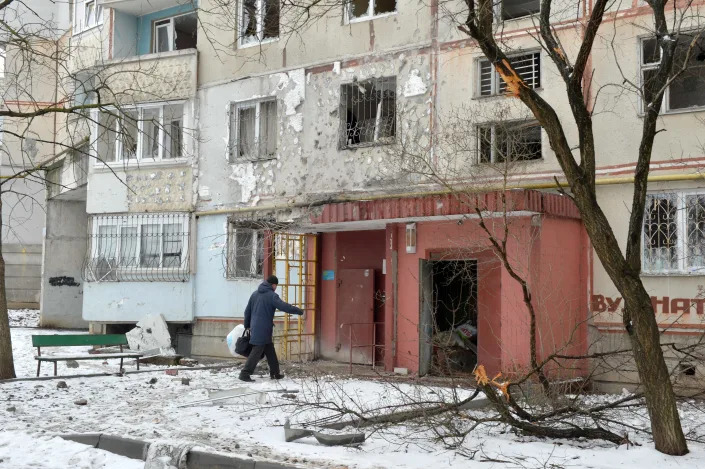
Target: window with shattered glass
[(368, 112), (259, 21), (364, 9)]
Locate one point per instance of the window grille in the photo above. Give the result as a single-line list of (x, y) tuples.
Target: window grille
[(138, 248), (527, 66), (245, 252), (687, 90), (674, 233), (368, 112), (509, 141)]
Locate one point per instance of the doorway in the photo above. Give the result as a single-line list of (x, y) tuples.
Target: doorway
[(449, 317)]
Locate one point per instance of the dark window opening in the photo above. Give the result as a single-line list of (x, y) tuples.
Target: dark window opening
[(509, 142), (368, 114), (517, 8)]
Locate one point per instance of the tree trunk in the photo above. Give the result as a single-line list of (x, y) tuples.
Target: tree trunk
[(7, 365), (653, 372)]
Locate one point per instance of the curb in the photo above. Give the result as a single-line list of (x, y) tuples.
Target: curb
[(137, 449)]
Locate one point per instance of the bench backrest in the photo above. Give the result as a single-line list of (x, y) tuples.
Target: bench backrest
[(71, 340)]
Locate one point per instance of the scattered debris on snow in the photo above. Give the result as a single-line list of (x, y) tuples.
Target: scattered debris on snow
[(151, 334)]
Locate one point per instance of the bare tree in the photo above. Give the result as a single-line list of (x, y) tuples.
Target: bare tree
[(63, 97)]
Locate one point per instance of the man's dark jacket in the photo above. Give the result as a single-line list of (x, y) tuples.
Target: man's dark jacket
[(259, 314)]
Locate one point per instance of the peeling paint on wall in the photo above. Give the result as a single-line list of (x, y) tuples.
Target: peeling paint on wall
[(414, 86)]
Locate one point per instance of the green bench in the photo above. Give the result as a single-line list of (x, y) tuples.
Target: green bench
[(80, 340)]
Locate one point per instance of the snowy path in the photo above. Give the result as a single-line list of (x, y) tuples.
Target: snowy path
[(131, 406)]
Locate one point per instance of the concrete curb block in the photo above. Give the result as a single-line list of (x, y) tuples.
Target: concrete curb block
[(137, 449), (133, 449)]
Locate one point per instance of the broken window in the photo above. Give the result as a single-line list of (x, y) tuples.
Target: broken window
[(253, 131), (509, 142), (517, 8), (368, 112), (138, 247), (369, 8), (245, 252), (527, 66), (175, 33), (151, 132), (259, 21), (687, 90)]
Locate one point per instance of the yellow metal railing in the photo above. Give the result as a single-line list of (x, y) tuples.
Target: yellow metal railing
[(295, 262)]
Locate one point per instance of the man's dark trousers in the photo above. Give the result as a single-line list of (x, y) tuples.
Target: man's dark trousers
[(258, 351)]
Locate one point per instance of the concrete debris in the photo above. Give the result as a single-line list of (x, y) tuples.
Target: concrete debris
[(11, 409), (62, 385), (71, 364), (153, 381), (172, 372), (81, 402), (188, 362), (186, 381), (346, 439), (167, 456), (401, 371), (150, 334)]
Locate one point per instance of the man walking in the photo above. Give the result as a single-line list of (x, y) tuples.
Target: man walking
[(259, 319)]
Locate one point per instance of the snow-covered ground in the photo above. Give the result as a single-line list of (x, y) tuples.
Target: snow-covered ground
[(22, 450), (133, 406)]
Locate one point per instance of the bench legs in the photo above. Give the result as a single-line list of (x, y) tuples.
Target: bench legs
[(138, 363), (120, 371), (39, 365), (54, 368)]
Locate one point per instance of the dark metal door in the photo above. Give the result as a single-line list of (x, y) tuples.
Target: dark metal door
[(356, 314)]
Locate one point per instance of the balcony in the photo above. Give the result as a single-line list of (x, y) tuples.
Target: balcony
[(152, 77), (140, 7)]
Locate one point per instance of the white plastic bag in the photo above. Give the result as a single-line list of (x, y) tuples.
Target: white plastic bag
[(231, 339)]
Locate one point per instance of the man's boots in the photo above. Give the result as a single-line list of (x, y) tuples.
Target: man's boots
[(246, 378), (277, 376)]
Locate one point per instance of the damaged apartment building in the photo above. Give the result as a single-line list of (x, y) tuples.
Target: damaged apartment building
[(240, 147)]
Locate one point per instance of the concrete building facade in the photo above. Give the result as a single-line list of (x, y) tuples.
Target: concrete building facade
[(329, 157)]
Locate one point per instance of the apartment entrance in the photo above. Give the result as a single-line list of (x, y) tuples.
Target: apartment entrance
[(449, 316)]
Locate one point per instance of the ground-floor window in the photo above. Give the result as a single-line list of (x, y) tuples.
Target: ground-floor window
[(245, 252), (138, 247), (674, 233)]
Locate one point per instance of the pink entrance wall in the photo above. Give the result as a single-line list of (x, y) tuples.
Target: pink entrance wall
[(551, 256), (347, 250)]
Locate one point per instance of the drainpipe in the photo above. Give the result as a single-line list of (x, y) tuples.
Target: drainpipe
[(435, 50)]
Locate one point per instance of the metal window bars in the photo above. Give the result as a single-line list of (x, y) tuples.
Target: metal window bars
[(527, 66), (138, 248), (674, 233), (368, 112)]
